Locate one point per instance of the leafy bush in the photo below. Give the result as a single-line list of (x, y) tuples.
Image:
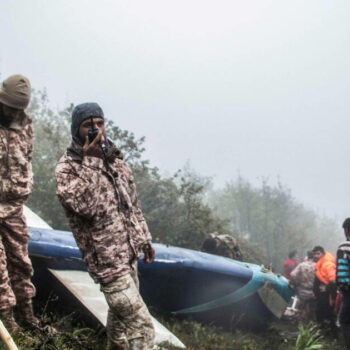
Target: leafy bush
[(309, 338)]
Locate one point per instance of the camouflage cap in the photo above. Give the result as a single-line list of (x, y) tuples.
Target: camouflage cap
[(15, 91)]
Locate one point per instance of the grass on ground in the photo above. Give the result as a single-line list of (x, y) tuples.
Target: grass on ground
[(75, 334)]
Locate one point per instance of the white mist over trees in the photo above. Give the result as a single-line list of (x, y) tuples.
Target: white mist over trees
[(272, 218), (181, 209)]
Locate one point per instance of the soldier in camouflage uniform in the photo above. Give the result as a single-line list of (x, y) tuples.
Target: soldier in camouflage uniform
[(224, 245), (98, 192), (302, 280), (16, 179)]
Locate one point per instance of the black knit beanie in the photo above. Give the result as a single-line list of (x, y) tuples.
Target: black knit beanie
[(82, 112)]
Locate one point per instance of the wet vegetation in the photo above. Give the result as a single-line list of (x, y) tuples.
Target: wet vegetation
[(74, 332)]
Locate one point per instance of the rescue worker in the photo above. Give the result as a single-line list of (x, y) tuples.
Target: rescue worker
[(343, 282), (302, 280), (16, 180), (98, 192), (324, 287), (290, 264), (224, 245)]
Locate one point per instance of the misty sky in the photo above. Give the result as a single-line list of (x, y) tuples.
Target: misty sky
[(254, 87)]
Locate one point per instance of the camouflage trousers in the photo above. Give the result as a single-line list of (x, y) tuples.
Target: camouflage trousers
[(129, 324), (307, 308), (15, 265)]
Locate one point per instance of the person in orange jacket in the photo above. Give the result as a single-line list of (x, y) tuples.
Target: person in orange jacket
[(325, 289)]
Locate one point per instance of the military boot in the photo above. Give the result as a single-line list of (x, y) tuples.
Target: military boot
[(6, 316), (26, 314)]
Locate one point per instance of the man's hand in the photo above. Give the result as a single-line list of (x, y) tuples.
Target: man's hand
[(93, 149), (149, 252)]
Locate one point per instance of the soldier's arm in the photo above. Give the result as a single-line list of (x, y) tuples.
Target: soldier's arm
[(30, 135), (137, 209), (147, 248), (330, 270), (294, 275), (20, 170), (79, 191)]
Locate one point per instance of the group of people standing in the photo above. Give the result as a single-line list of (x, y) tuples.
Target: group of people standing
[(322, 285), (98, 193)]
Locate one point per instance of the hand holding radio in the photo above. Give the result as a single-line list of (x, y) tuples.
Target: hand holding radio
[(93, 148)]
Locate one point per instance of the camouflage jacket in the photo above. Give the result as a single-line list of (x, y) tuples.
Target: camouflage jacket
[(302, 279), (16, 175), (103, 212)]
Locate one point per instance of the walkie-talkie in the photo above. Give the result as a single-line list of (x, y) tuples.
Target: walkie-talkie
[(92, 133)]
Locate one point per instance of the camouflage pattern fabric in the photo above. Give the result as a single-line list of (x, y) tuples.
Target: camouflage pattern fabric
[(302, 278), (129, 324), (15, 265), (16, 180), (102, 208), (16, 176), (227, 246)]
